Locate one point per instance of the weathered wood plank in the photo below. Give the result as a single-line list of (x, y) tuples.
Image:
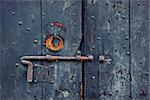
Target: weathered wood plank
[(90, 46), (139, 30), (63, 82), (114, 80), (20, 24), (0, 47), (107, 24)]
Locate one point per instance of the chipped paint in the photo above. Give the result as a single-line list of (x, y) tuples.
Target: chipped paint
[(91, 2), (108, 26), (120, 77), (50, 1), (66, 93), (67, 4)]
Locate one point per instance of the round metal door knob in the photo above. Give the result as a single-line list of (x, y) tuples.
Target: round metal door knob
[(50, 43)]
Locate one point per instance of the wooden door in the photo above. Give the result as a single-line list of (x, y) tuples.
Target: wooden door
[(114, 32)]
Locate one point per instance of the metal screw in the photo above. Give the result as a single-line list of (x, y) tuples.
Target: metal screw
[(20, 22), (11, 75), (44, 90), (78, 52), (28, 29), (44, 36), (98, 38), (108, 61), (128, 53), (141, 62), (124, 46), (28, 91), (138, 32), (13, 13), (138, 4), (51, 24), (74, 44), (92, 17), (17, 64), (52, 82), (107, 3), (93, 47), (35, 41), (93, 77), (127, 37), (123, 17), (52, 66), (75, 24), (35, 81), (13, 43)]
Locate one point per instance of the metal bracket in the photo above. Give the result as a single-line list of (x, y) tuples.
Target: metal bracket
[(27, 61)]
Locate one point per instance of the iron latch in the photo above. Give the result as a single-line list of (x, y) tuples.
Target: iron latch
[(27, 61)]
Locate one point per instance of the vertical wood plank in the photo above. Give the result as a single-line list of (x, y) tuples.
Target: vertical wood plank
[(20, 26), (139, 39), (107, 25), (114, 80), (63, 82), (0, 47), (90, 46)]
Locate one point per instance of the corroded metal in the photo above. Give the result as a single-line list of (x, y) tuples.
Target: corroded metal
[(53, 32), (27, 61), (50, 45)]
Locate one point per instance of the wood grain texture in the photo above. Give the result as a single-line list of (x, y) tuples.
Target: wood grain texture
[(90, 46), (64, 81), (107, 30), (114, 76), (139, 19), (20, 26), (117, 29)]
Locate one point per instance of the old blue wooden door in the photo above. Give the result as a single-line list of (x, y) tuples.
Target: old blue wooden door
[(114, 32)]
